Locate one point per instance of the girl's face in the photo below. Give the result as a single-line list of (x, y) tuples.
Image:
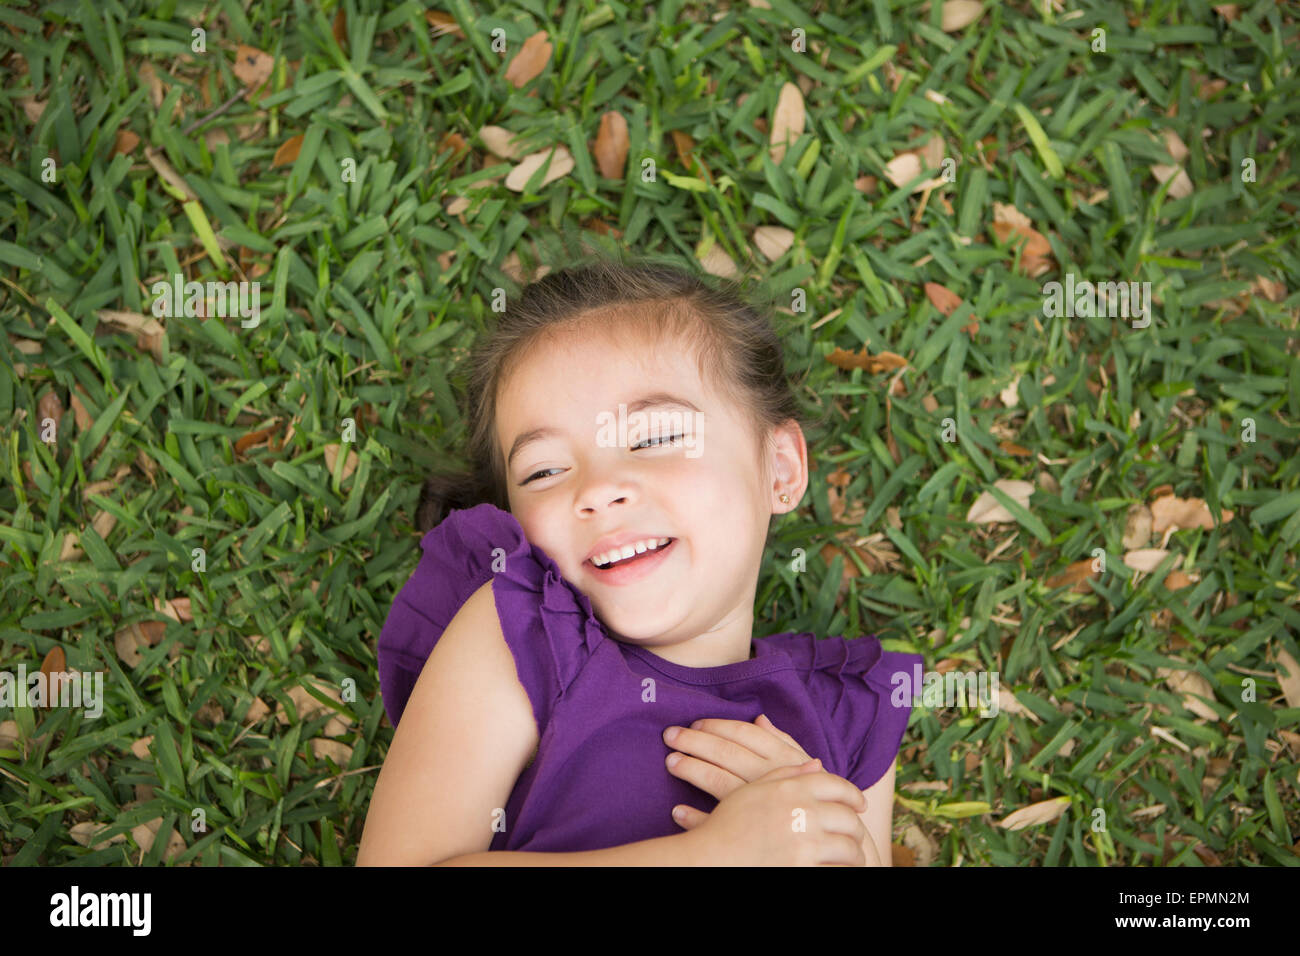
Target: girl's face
[(573, 487)]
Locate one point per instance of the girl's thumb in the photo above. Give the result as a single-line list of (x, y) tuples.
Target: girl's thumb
[(812, 765)]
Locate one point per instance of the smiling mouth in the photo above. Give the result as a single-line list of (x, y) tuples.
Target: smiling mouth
[(644, 561)]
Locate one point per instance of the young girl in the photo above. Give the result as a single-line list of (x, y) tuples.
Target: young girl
[(583, 609)]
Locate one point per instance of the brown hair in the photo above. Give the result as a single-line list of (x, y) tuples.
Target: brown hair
[(738, 351)]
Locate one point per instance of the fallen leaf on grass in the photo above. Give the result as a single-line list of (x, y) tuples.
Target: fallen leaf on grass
[(308, 707), (131, 640), (125, 142), (611, 145), (442, 23), (1137, 527), (252, 68), (872, 364), (331, 456), (1192, 686), (1181, 187), (1145, 559), (957, 14), (1075, 575), (787, 121), (1044, 811), (86, 835), (987, 510), (290, 148), (501, 141), (1170, 511), (561, 165), (169, 174), (1288, 676), (943, 299), (773, 241), (178, 609), (531, 59), (49, 406), (145, 834)]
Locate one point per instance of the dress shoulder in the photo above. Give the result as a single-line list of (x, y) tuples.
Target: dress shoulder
[(853, 681), (548, 624)]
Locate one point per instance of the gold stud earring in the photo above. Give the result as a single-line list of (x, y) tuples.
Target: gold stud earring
[(785, 499)]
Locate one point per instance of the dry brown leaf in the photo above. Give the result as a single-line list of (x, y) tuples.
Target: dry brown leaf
[(773, 241), (104, 524), (872, 364), (178, 609), (1170, 510), (921, 844), (611, 145), (1182, 186), (714, 259), (561, 165), (145, 834), (1288, 676), (125, 142), (86, 834), (959, 13), (1075, 575), (308, 707), (900, 855), (1008, 222), (336, 750), (942, 298), (986, 509), (442, 23), (501, 141), (82, 417), (903, 168), (1192, 686), (531, 59), (70, 551), (256, 711), (1137, 527), (55, 662), (290, 148), (1045, 811), (33, 108), (787, 121), (1229, 11), (167, 172), (1176, 579), (332, 454), (150, 78), (49, 406), (1175, 145), (1010, 396), (252, 68), (1145, 559), (1271, 289), (131, 321)]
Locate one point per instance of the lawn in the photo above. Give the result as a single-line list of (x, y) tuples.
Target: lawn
[(210, 503)]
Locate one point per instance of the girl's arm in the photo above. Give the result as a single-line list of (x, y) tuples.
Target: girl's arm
[(878, 818), (463, 740)]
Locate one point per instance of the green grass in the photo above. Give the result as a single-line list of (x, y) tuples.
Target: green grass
[(372, 293)]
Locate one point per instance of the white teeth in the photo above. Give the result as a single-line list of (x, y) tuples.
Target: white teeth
[(627, 551)]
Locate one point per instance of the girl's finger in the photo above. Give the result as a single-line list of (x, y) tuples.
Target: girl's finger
[(688, 817)]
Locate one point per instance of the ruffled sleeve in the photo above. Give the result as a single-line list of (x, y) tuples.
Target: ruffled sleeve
[(548, 624), (853, 681)]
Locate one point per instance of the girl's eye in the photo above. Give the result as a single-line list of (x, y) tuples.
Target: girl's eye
[(658, 441), (536, 474)]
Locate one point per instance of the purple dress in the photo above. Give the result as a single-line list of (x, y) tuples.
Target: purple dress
[(598, 778)]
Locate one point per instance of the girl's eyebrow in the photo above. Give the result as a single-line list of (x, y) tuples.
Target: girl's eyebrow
[(655, 399)]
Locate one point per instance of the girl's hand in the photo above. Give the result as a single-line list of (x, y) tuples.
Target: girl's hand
[(792, 816), (731, 753)]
